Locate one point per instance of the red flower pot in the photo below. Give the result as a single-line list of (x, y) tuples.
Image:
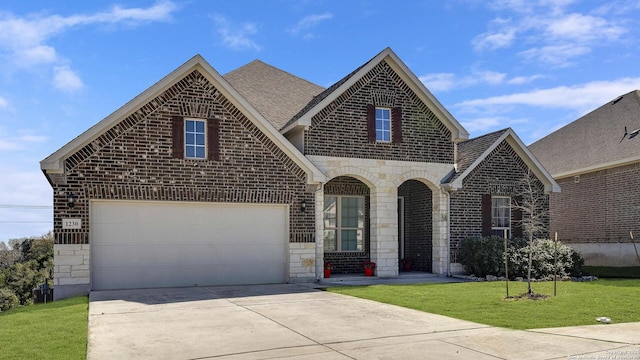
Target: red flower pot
[(327, 273), (368, 271)]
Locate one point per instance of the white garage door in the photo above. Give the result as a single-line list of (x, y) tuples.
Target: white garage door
[(141, 244)]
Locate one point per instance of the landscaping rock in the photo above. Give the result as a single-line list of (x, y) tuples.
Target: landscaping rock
[(492, 278)]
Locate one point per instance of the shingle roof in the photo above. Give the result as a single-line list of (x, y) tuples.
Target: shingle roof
[(593, 141), (328, 91), (470, 150), (276, 94)]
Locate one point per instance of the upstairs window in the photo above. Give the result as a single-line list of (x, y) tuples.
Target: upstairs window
[(195, 139), (383, 124)]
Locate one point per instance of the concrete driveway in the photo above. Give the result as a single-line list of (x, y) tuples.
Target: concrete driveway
[(292, 321)]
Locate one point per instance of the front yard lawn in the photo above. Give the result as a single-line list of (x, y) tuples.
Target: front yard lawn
[(57, 330), (576, 303)]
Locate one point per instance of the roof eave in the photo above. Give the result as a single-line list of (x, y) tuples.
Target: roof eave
[(550, 185), (54, 163), (458, 132), (604, 166)]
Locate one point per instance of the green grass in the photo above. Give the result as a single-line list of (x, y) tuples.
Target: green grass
[(628, 272), (57, 330), (576, 303)]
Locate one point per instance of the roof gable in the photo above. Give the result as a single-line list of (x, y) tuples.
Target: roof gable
[(593, 141), (54, 164), (303, 118), (472, 152), (276, 94)]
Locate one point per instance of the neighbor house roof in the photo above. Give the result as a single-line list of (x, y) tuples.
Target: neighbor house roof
[(303, 118), (472, 152), (593, 142), (276, 94), (54, 164)]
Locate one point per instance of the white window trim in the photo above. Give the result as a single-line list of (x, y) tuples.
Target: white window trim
[(206, 155), (338, 228), (501, 228), (390, 124)]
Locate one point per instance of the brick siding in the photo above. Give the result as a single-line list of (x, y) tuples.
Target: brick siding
[(133, 161), (598, 207), (340, 129), (418, 224), (498, 174)]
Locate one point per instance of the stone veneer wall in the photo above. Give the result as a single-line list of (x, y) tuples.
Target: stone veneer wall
[(418, 224), (133, 161), (499, 174), (383, 177)]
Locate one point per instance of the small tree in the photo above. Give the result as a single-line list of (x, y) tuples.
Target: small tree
[(535, 214)]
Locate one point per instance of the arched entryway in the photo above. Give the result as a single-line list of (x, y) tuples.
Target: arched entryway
[(346, 217), (415, 226)]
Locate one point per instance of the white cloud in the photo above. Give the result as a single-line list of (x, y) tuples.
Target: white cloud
[(556, 55), (494, 40), (66, 79), (440, 82), (4, 103), (19, 142), (236, 36), (23, 40), (548, 32), (309, 22), (579, 98)]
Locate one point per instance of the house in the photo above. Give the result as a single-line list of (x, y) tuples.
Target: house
[(259, 176), (596, 160)]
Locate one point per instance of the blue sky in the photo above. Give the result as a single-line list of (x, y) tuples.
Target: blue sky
[(533, 65)]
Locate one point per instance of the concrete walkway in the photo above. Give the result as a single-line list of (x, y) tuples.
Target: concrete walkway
[(292, 321)]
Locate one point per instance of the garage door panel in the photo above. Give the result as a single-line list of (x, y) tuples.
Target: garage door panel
[(157, 244)]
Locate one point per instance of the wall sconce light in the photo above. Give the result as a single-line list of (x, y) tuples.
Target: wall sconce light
[(303, 205), (71, 199)]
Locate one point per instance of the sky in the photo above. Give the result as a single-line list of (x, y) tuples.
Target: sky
[(532, 65)]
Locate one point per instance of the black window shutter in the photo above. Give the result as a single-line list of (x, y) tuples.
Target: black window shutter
[(177, 130), (213, 139), (396, 120), (516, 218), (371, 123), (486, 215)]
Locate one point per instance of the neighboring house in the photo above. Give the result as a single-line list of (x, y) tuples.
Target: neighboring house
[(260, 177), (599, 171)]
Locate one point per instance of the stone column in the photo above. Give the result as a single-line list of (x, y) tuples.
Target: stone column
[(440, 231), (384, 230)]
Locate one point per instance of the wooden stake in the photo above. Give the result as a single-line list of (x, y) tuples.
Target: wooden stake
[(555, 263)]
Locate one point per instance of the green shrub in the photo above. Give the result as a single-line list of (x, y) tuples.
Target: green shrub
[(8, 299), (485, 256)]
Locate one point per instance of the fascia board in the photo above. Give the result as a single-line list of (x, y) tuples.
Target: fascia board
[(458, 132), (603, 166), (54, 162), (550, 184)]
